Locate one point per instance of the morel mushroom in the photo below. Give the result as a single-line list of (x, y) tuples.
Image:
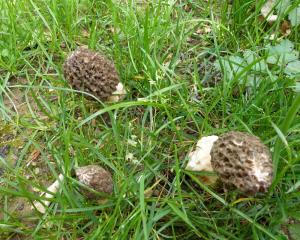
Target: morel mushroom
[(93, 176), (91, 72), (96, 178), (239, 159)]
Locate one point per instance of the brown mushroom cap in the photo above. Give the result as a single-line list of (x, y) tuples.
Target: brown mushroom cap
[(91, 72), (96, 178), (242, 160)]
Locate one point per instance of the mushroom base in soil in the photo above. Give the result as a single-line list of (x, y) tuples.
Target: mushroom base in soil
[(238, 158)]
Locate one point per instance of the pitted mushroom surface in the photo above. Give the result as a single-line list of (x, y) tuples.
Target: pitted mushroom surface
[(242, 160), (91, 72), (239, 159), (96, 178)]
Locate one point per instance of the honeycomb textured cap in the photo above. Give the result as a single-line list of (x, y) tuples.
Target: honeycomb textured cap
[(242, 160), (96, 178), (91, 72)]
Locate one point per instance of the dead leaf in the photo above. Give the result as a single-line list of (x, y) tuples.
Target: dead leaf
[(285, 28), (33, 157), (85, 33)]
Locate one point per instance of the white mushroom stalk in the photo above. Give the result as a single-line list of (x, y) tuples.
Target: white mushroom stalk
[(42, 205), (117, 95), (267, 11), (200, 158)]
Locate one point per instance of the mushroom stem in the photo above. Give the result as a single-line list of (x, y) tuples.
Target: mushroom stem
[(200, 158), (117, 95), (53, 189), (267, 11)]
